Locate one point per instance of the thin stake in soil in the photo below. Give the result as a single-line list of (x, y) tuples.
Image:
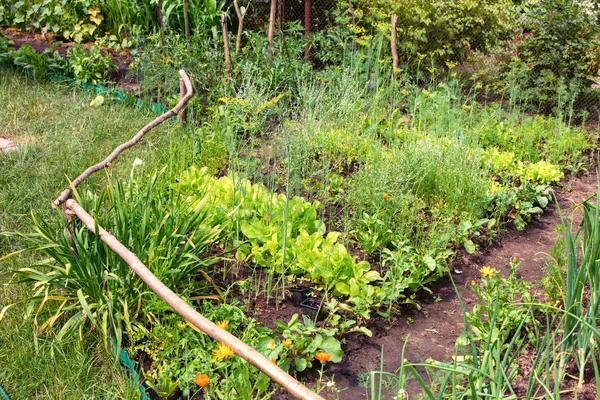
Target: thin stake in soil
[(271, 29), (394, 47), (226, 45)]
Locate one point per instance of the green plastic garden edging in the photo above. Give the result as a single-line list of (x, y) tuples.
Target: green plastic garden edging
[(115, 93), (130, 365), (101, 89), (4, 396)]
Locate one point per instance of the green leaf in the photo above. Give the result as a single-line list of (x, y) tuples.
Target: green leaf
[(332, 346), (469, 246), (98, 101), (300, 363), (430, 262)]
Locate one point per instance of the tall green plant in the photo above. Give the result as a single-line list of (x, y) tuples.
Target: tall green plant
[(582, 292), (84, 282)]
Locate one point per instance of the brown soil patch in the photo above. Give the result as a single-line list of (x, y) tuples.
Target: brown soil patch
[(40, 43), (432, 331)]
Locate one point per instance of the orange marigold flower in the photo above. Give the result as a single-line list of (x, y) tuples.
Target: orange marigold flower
[(273, 360), (515, 259), (223, 324), (322, 356), (202, 380), (287, 342), (386, 196), (473, 282), (487, 271), (222, 352)]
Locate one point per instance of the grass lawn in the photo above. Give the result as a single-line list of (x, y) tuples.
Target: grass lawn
[(61, 135)]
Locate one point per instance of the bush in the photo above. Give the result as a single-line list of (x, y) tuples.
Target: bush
[(446, 30), (556, 52)]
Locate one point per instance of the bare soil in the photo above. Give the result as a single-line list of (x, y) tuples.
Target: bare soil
[(432, 331), (40, 43)]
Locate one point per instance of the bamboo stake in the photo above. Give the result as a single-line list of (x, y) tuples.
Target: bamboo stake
[(226, 45), (271, 29), (189, 92), (394, 47), (194, 317)]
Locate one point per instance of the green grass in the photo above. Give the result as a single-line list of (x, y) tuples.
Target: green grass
[(64, 135)]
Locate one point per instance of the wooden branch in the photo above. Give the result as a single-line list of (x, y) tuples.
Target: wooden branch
[(240, 16), (161, 24), (307, 27), (186, 23), (394, 47), (190, 314), (189, 92), (226, 45), (183, 112), (271, 29)]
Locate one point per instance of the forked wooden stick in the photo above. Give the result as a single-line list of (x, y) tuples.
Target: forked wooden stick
[(185, 97), (241, 349)]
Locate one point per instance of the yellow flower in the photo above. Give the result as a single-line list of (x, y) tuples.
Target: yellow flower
[(515, 259), (202, 380), (487, 271), (271, 345), (323, 357), (473, 282), (222, 351), (287, 342), (223, 324)]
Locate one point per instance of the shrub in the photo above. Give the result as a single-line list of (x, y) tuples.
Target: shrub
[(557, 50), (446, 30)]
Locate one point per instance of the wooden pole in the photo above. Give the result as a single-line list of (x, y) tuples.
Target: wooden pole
[(186, 23), (183, 112), (161, 24), (194, 317), (226, 45), (307, 27), (394, 47), (189, 92), (271, 29), (240, 15)]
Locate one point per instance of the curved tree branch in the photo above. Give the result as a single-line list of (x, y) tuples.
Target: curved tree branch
[(185, 97)]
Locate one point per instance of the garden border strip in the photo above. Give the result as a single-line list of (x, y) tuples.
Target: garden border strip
[(128, 364), (4, 395), (96, 88), (117, 94)]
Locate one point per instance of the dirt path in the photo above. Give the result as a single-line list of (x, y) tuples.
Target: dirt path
[(432, 332)]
